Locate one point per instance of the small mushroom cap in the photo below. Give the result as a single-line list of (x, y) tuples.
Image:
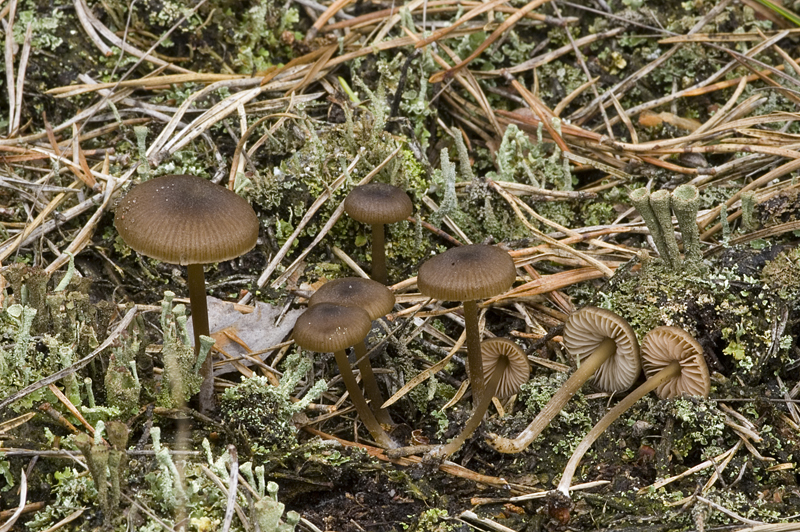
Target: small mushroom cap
[(326, 327), (466, 273), (185, 219), (586, 329), (370, 295), (663, 345), (378, 203), (516, 373)]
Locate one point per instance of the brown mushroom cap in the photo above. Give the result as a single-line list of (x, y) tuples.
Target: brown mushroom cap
[(467, 273), (586, 329), (516, 373), (326, 328), (185, 219), (663, 345), (367, 294), (378, 203)]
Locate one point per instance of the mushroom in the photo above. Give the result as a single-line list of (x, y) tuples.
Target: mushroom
[(674, 364), (468, 273), (326, 328), (605, 347), (377, 301), (378, 204), (187, 220), (505, 368)]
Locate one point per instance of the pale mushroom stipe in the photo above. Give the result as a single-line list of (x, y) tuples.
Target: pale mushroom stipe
[(606, 347)]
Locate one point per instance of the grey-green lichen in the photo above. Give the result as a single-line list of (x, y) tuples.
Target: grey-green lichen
[(717, 304), (181, 377), (266, 412)]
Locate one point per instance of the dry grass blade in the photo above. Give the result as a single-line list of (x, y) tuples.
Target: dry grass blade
[(692, 470), (447, 466), (469, 15), (71, 407), (119, 43), (23, 496), (425, 374), (16, 422), (334, 8), (506, 25), (88, 27), (121, 326), (548, 283), (9, 57)]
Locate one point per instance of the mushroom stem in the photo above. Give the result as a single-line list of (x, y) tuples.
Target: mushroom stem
[(478, 413), (474, 358), (197, 302), (584, 372), (670, 371), (371, 384), (379, 254), (362, 408)]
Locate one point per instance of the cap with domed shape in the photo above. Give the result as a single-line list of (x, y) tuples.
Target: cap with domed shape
[(187, 220), (327, 327), (468, 273), (378, 204), (377, 301)]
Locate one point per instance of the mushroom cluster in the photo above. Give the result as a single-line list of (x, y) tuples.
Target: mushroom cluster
[(325, 328), (605, 347), (187, 220)]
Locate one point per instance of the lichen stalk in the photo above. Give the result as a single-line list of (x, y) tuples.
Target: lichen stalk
[(641, 200), (362, 408), (197, 301), (748, 211), (686, 203), (660, 202), (673, 369), (379, 254), (474, 358), (589, 365)]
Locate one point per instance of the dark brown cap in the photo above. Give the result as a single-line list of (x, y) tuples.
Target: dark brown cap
[(516, 373), (663, 345), (466, 273), (185, 219), (378, 203), (370, 295), (326, 328), (586, 329)]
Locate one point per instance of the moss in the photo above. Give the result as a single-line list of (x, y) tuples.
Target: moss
[(432, 520), (698, 423), (782, 274), (266, 412)]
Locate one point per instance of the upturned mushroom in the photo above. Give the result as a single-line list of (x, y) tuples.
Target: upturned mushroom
[(377, 301), (187, 220), (674, 364), (468, 273), (505, 368), (326, 328), (605, 347), (378, 204)]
